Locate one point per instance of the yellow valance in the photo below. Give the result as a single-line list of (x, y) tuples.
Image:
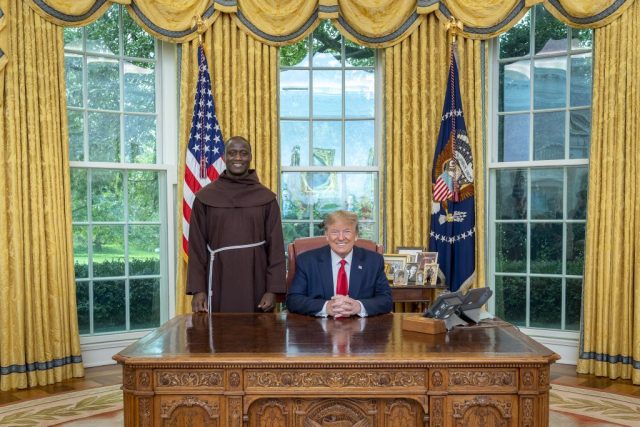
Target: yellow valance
[(376, 23)]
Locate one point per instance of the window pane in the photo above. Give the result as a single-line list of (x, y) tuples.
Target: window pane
[(82, 304), (296, 55), (360, 143), (551, 34), (294, 203), (327, 94), (546, 248), (73, 38), (328, 191), (513, 138), (339, 133), (577, 188), (139, 86), (550, 83), (104, 137), (514, 89), (359, 93), (140, 139), (294, 230), (144, 193), (515, 42), (573, 305), (548, 136), (103, 36), (546, 193), (581, 39), (103, 83), (580, 134), (357, 55), (75, 121), (108, 250), (367, 231), (511, 194), (79, 194), (511, 249), (294, 143), (327, 137), (107, 195), (326, 45), (108, 306), (575, 248), (137, 42), (144, 300), (511, 299), (546, 303), (144, 250), (73, 78), (294, 93), (80, 251), (581, 80)]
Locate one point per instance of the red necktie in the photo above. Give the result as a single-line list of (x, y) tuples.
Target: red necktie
[(342, 287)]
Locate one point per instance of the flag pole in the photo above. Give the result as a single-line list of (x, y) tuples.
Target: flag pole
[(453, 27)]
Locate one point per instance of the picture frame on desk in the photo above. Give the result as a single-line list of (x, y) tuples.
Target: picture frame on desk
[(394, 263), (411, 251), (430, 274), (412, 273), (425, 258), (400, 278)]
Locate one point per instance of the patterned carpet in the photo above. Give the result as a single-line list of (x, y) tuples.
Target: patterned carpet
[(570, 406)]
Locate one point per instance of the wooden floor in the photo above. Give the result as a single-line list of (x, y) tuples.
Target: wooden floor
[(112, 374)]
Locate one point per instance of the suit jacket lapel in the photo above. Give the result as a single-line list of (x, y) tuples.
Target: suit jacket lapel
[(326, 271), (356, 274)]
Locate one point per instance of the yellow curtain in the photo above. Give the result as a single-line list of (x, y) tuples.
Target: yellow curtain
[(610, 344), (415, 84), (39, 342), (244, 78), (382, 23)]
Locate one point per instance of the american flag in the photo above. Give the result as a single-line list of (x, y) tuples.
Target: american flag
[(453, 223), (204, 161)]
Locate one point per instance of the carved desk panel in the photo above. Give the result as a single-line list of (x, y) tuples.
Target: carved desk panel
[(286, 369)]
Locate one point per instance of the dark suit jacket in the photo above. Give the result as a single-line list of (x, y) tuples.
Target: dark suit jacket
[(312, 285)]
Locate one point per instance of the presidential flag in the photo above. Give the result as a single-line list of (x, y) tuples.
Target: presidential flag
[(453, 223), (204, 161)]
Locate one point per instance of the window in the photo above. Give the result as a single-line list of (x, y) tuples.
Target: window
[(328, 138), (118, 179), (538, 171)]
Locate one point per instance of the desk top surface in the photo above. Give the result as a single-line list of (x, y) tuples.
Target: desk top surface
[(239, 338)]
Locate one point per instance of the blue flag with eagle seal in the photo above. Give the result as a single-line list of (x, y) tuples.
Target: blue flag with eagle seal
[(453, 222)]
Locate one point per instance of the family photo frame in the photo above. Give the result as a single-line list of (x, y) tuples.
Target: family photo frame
[(394, 263), (411, 251), (430, 274)]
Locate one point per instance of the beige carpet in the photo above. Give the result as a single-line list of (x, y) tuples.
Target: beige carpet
[(570, 406), (95, 407)]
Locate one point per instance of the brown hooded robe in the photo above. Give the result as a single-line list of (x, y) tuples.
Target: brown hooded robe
[(236, 211)]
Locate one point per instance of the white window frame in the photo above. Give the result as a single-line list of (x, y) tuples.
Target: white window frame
[(563, 342), (378, 124), (98, 348)]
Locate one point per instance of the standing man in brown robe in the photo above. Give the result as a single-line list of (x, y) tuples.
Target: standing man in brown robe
[(235, 240)]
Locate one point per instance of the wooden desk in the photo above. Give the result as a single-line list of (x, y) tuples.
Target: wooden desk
[(292, 370)]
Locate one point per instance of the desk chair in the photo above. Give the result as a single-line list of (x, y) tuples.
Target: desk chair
[(305, 244)]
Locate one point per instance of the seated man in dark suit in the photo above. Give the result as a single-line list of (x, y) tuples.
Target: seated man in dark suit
[(340, 280)]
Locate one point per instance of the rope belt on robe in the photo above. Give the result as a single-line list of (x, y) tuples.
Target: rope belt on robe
[(212, 255)]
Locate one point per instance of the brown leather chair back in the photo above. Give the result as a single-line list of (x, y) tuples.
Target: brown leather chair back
[(305, 244)]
